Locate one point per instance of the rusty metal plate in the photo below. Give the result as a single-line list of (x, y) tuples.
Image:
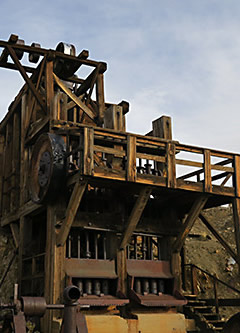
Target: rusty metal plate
[(149, 268), (158, 300), (90, 268), (108, 300)]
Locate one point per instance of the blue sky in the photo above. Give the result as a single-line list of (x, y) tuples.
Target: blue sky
[(178, 58)]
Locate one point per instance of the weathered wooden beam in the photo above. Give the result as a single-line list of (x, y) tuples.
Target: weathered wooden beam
[(219, 237), (26, 78), (88, 156), (88, 82), (100, 96), (237, 175), (207, 171), (74, 97), (131, 158), (15, 233), (49, 88), (122, 273), (72, 208), (171, 165), (135, 216), (187, 226)]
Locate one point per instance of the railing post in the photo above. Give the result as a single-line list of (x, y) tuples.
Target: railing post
[(207, 171), (171, 165), (88, 156), (215, 294), (131, 158)]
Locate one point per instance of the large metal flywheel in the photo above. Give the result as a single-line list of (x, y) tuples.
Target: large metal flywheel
[(48, 167)]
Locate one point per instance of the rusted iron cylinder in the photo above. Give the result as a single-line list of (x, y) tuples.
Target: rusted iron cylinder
[(80, 286), (97, 288), (33, 306), (146, 286), (71, 294), (88, 287), (154, 286), (138, 288)]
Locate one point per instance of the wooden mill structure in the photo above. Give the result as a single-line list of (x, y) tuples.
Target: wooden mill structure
[(92, 205)]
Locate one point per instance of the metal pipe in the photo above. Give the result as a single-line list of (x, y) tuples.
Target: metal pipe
[(146, 286), (88, 253), (88, 287), (105, 287), (104, 247), (79, 246), (96, 245), (161, 287), (154, 286), (97, 288), (69, 246), (138, 288)]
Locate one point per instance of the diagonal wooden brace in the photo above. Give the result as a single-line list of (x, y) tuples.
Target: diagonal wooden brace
[(26, 78), (187, 226), (135, 216), (72, 208)]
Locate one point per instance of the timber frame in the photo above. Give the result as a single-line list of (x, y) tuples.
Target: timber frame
[(137, 174)]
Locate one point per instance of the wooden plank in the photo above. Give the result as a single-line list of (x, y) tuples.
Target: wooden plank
[(131, 158), (88, 156), (100, 96), (108, 150), (113, 118), (219, 237), (189, 163), (237, 175), (71, 211), (15, 233), (74, 97), (155, 158), (49, 88), (135, 216), (207, 171), (171, 165), (194, 212), (236, 220)]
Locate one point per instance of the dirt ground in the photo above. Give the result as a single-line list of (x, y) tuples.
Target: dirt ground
[(203, 250)]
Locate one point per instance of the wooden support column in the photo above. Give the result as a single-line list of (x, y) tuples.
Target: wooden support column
[(122, 272), (49, 89), (100, 96), (135, 216), (187, 226), (236, 219), (171, 165), (207, 171), (88, 158), (72, 208), (237, 175), (162, 128), (131, 158), (219, 238)]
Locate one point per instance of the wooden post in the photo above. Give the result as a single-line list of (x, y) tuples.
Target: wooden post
[(49, 88), (100, 96), (237, 175), (207, 171), (122, 272), (131, 158), (171, 166), (88, 157), (187, 226), (162, 128)]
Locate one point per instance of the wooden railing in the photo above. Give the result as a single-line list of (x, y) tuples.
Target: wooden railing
[(147, 160)]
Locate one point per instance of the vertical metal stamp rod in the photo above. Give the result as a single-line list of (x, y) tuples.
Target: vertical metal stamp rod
[(79, 246), (135, 247), (96, 245), (150, 244), (104, 247), (144, 248), (69, 246), (159, 248), (88, 253)]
